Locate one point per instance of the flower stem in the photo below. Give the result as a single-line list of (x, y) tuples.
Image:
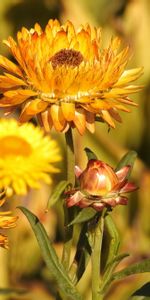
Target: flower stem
[(70, 157), (96, 259), (69, 213)]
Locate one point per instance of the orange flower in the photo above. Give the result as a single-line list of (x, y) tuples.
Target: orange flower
[(65, 78), (6, 221), (100, 186)]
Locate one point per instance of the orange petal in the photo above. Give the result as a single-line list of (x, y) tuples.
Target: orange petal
[(122, 107), (80, 120), (19, 92), (9, 81), (68, 110), (113, 112), (9, 66), (90, 121), (129, 76), (84, 42), (106, 116), (45, 120), (32, 108), (57, 116), (100, 104), (60, 41), (69, 28), (6, 102)]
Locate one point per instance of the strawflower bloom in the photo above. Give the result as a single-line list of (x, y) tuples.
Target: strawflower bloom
[(6, 221), (26, 156), (100, 186), (65, 78)]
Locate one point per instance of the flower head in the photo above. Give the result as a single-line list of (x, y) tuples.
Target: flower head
[(6, 221), (100, 186), (65, 78), (26, 156)]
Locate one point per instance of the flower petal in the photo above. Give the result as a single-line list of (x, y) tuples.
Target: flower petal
[(31, 108), (80, 120), (57, 116), (68, 110), (123, 172), (129, 187)]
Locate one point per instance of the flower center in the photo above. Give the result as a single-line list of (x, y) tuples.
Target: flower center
[(67, 57), (14, 146)]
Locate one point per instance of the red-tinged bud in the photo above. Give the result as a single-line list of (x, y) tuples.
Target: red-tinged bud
[(98, 178), (100, 186)]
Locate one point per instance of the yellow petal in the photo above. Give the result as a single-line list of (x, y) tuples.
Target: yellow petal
[(79, 120), (32, 108), (9, 66), (100, 104), (45, 120), (57, 117), (129, 76), (19, 92), (68, 110), (106, 116), (9, 81), (60, 42)]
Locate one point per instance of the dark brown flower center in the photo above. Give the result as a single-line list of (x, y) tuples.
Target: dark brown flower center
[(67, 57)]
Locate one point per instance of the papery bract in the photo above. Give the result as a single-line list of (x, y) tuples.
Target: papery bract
[(100, 186), (65, 78)]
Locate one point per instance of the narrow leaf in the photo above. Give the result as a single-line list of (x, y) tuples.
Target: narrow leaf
[(84, 215), (57, 192), (50, 257), (109, 270), (140, 267), (90, 154), (113, 237), (128, 159), (82, 255)]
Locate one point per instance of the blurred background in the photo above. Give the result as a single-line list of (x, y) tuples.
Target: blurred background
[(22, 266)]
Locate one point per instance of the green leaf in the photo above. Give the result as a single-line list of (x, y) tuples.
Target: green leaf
[(82, 255), (50, 257), (109, 270), (140, 267), (57, 192), (11, 291), (84, 215), (128, 159), (113, 237), (90, 154)]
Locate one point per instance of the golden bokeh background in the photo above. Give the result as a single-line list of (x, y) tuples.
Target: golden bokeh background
[(22, 266)]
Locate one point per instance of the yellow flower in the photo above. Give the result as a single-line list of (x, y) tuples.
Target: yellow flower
[(6, 221), (26, 156), (65, 78)]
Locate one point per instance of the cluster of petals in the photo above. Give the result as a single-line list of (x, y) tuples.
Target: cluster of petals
[(100, 186), (6, 221), (65, 78), (27, 156)]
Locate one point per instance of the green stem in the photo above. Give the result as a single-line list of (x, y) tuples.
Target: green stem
[(96, 259), (69, 213), (70, 157)]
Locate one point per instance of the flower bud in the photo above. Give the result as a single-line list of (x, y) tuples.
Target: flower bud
[(98, 179), (100, 186)]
